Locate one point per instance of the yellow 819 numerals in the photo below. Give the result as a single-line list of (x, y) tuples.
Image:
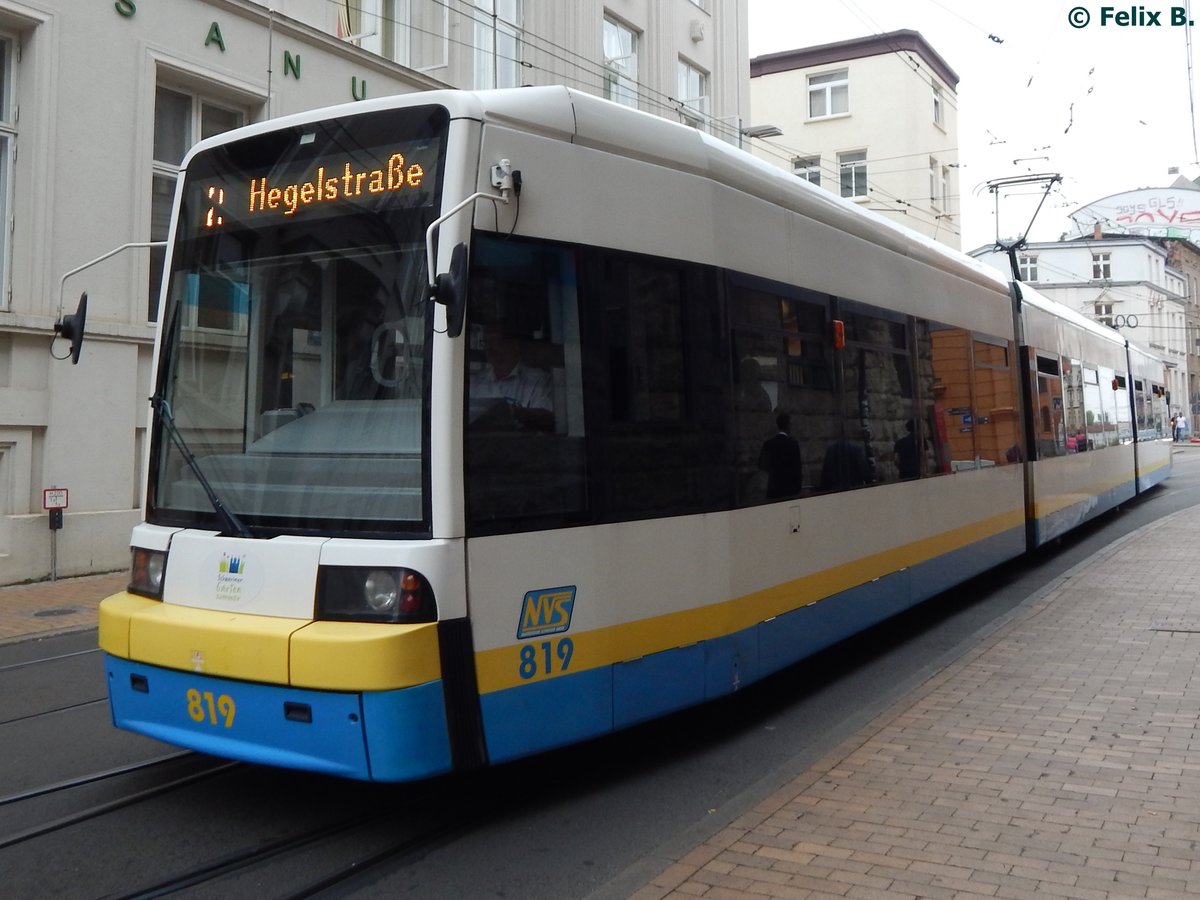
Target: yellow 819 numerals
[(216, 710)]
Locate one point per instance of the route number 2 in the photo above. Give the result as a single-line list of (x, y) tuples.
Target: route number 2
[(551, 653), (216, 710)]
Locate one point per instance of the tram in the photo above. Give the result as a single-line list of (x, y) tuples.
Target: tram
[(486, 423)]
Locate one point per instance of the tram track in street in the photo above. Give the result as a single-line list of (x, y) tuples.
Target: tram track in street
[(353, 845), (27, 670), (72, 816), (42, 660), (53, 711), (304, 836), (92, 778)]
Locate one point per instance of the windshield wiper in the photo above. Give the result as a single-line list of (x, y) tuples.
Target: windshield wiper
[(232, 524)]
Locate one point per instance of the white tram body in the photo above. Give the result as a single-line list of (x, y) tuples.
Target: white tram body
[(462, 566)]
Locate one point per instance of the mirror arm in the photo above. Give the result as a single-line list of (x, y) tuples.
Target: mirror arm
[(87, 265), (71, 327), (437, 223)]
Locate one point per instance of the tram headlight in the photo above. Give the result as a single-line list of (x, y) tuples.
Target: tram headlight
[(365, 594), (381, 592), (146, 572)]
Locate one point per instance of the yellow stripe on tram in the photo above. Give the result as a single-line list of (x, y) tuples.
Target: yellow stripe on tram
[(500, 668)]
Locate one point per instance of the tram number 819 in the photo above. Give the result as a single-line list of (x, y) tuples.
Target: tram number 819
[(534, 663), (205, 707)]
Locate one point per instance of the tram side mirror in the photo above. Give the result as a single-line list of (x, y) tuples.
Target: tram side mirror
[(71, 329), (450, 289)]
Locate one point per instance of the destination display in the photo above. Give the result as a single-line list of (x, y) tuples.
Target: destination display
[(332, 184)]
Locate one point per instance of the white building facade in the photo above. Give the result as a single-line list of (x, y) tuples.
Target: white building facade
[(99, 102), (873, 119), (1132, 284)]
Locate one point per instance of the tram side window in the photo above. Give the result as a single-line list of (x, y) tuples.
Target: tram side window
[(781, 367), (525, 426), (1120, 393), (1140, 409), (928, 437), (1106, 407), (997, 414), (1158, 410), (1099, 418), (659, 371), (1150, 425), (1075, 420), (879, 440), (951, 413), (1050, 431)]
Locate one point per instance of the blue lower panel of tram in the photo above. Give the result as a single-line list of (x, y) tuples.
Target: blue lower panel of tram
[(1056, 524), (559, 711), (379, 735)]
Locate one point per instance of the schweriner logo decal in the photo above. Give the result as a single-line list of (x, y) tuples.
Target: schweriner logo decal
[(547, 611), (231, 565), (231, 577)]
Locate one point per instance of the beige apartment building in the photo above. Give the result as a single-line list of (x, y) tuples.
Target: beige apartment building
[(873, 119), (99, 102)]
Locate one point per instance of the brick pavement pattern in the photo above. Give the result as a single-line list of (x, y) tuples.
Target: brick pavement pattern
[(1059, 757), (51, 607)]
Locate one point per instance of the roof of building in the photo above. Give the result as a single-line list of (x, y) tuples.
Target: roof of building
[(855, 48)]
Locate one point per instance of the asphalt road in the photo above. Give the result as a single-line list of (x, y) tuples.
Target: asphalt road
[(597, 820)]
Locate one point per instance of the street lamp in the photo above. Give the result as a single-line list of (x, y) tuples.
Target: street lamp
[(760, 131)]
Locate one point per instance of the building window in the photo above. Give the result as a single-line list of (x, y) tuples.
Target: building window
[(853, 169), (808, 168), (181, 119), (1102, 265), (421, 34), (693, 92), (939, 185), (497, 44), (1103, 313), (1027, 267), (937, 107), (620, 63), (829, 94), (8, 140)]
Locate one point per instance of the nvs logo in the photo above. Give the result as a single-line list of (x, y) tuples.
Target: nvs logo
[(546, 612)]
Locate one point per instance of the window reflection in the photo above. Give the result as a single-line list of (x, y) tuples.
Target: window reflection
[(997, 415), (1076, 423), (781, 367), (1049, 429), (701, 399), (953, 411), (877, 404)]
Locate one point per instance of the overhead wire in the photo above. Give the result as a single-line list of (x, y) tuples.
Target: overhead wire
[(875, 193), (590, 73), (583, 71), (1187, 38)]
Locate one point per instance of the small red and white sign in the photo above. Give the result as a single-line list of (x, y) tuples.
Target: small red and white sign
[(54, 498)]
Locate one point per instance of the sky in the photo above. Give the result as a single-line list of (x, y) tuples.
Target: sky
[(1106, 106)]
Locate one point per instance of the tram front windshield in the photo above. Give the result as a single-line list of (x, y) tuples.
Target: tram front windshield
[(295, 347)]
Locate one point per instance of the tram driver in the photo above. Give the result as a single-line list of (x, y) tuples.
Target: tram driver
[(506, 383)]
